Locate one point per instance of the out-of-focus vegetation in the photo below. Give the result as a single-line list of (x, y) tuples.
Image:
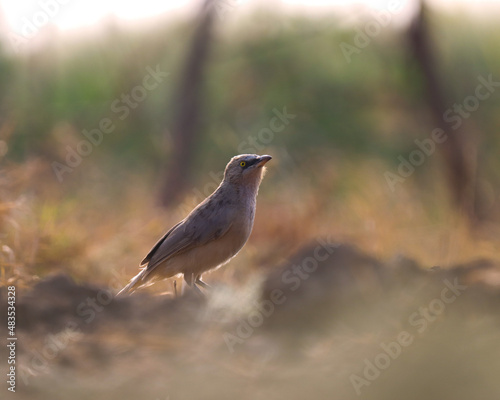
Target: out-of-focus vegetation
[(351, 122)]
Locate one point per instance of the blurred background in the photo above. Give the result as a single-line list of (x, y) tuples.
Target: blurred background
[(116, 119)]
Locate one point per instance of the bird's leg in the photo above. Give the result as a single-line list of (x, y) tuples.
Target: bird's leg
[(175, 289), (191, 281), (198, 290), (199, 282), (204, 285)]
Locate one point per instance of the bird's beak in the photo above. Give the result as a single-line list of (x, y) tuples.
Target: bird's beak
[(263, 160)]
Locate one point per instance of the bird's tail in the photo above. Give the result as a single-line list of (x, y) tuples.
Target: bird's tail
[(136, 282)]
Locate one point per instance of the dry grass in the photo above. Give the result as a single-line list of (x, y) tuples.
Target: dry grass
[(97, 229)]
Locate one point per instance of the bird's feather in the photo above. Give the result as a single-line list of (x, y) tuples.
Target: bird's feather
[(202, 226), (158, 244)]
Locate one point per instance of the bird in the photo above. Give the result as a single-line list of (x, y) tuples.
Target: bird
[(212, 234)]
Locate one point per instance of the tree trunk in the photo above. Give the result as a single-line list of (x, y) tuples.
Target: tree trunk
[(458, 151), (187, 102)]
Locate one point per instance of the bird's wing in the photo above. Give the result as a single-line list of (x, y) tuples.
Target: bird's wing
[(194, 231), (158, 244)]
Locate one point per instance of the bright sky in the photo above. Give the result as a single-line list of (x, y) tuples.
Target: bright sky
[(20, 16), (67, 14)]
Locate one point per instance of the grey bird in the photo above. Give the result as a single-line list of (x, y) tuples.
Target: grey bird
[(212, 234)]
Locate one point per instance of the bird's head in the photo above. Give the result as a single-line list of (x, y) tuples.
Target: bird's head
[(246, 169)]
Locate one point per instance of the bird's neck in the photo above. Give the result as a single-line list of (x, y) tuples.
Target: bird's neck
[(246, 190)]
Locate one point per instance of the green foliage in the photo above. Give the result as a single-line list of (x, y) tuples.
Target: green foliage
[(372, 106)]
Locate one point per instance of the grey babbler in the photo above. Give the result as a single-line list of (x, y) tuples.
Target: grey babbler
[(212, 234)]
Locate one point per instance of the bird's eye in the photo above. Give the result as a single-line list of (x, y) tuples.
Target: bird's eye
[(243, 163)]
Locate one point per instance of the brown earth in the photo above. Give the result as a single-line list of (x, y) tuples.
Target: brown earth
[(332, 323)]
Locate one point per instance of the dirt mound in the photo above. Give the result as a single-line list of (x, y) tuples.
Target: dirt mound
[(330, 323)]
